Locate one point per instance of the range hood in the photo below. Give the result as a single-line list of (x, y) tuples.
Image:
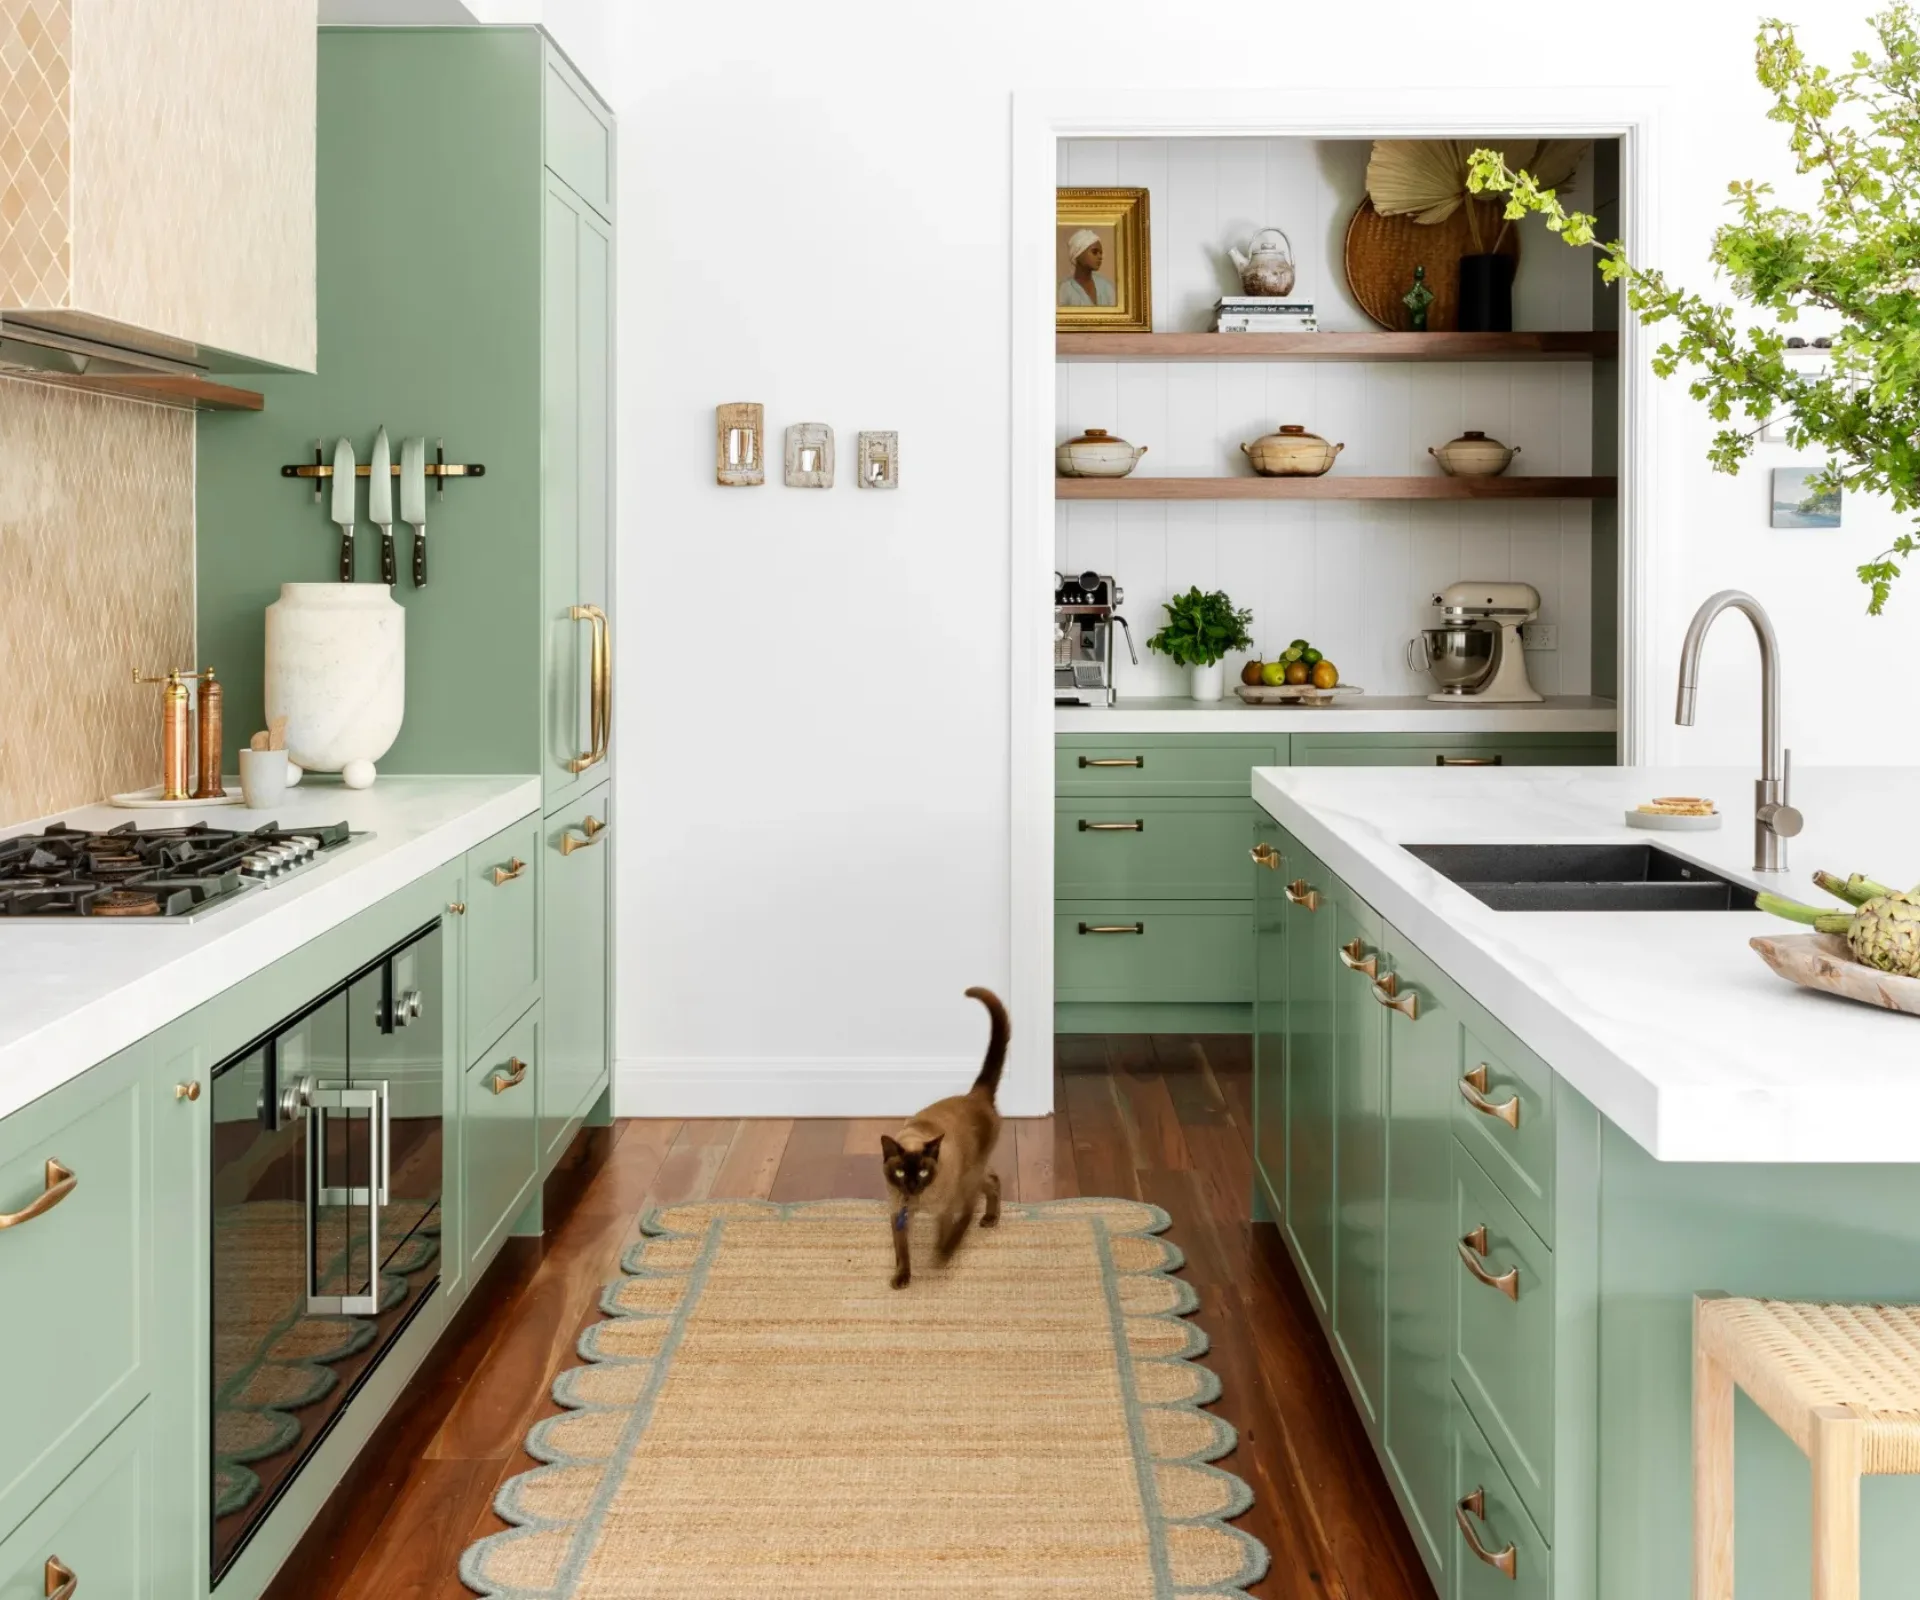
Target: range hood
[(30, 350)]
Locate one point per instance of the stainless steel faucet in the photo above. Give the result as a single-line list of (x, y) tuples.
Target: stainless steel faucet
[(1774, 821)]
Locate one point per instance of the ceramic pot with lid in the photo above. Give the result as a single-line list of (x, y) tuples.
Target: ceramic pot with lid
[(1097, 454), (1473, 455), (1266, 265), (1291, 452)]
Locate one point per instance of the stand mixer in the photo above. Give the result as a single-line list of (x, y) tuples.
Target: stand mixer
[(1476, 653)]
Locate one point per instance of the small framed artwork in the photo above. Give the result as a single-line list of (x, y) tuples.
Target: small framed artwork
[(1102, 271), (1801, 501)]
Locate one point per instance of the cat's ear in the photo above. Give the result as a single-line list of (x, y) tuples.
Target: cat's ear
[(931, 1152), (890, 1147)]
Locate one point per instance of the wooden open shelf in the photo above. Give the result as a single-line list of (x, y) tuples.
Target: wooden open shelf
[(1333, 487), (189, 394), (1380, 346)]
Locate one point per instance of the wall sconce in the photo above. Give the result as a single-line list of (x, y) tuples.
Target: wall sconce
[(809, 456), (879, 461), (739, 439)]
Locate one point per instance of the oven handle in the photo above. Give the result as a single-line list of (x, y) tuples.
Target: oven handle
[(320, 1099)]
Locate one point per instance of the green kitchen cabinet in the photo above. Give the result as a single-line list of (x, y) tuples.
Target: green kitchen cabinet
[(94, 1530), (575, 858), (1308, 1201), (500, 1121), (1359, 1319), (1453, 750), (1270, 1013), (1144, 847)]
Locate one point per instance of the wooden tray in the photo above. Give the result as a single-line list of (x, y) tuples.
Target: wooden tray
[(1382, 252), (1276, 694), (1823, 961)]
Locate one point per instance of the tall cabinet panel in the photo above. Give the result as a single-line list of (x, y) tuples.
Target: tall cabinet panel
[(1308, 1201), (1360, 1154)]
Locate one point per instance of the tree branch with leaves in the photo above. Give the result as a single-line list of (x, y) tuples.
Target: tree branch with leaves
[(1853, 257)]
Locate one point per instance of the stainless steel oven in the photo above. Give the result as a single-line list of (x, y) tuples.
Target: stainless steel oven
[(327, 1167)]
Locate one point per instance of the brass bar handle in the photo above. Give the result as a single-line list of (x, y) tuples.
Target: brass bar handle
[(1468, 761), (1473, 1250), (1113, 761), (1264, 855), (1505, 1562), (1299, 894), (60, 1183), (60, 1582), (1354, 959), (512, 1078), (1116, 927), (600, 683), (1138, 825), (509, 872), (1386, 990), (1473, 1090), (593, 828)]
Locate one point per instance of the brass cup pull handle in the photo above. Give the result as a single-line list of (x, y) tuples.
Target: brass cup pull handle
[(60, 1582), (1354, 958), (600, 683), (1299, 894), (592, 828), (1473, 1090), (1468, 761), (1505, 1562), (1113, 761), (1473, 1250), (1113, 927), (512, 1078), (60, 1183), (509, 872), (1386, 989), (1264, 855), (1138, 825)]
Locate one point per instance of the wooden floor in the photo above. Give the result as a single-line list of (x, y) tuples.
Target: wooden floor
[(1163, 1119)]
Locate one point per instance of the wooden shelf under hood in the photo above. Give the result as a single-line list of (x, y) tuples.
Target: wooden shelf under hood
[(190, 394)]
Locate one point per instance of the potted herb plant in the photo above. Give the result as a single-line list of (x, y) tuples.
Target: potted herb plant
[(1199, 631)]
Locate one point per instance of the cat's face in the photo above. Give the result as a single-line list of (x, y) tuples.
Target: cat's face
[(909, 1172)]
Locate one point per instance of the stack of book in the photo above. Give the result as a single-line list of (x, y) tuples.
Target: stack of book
[(1253, 313)]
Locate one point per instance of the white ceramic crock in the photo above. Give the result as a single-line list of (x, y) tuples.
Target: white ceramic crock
[(337, 671), (1097, 454), (1207, 683)]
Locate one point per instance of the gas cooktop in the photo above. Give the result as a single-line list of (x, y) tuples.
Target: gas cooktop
[(135, 873)]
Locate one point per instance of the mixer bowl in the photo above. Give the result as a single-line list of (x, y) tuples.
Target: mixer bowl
[(1460, 658)]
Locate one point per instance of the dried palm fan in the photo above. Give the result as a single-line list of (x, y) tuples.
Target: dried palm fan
[(1426, 179)]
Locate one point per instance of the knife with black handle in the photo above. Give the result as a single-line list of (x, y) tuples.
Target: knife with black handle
[(380, 502), (413, 502), (343, 492)]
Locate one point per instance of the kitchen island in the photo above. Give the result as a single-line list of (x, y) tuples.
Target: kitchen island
[(1505, 1148)]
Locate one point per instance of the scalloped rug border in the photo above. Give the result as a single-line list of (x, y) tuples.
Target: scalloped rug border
[(1141, 1221)]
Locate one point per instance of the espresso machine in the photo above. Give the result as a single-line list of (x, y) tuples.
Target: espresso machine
[(1476, 652), (1084, 616)]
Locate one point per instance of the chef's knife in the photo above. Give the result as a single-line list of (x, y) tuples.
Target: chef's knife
[(343, 492), (380, 502), (413, 502)]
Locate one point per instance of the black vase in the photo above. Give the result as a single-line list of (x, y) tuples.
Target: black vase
[(1486, 294)]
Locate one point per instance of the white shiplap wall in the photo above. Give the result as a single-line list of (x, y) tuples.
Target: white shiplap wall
[(1356, 577)]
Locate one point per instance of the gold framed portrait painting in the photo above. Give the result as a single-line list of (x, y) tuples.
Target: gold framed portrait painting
[(1103, 279)]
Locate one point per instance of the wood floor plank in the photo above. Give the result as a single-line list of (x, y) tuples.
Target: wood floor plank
[(1032, 1174), (1146, 1109), (753, 1160), (627, 1179), (415, 1553), (1103, 1163)]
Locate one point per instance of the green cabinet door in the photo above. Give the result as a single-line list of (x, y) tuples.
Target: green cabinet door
[(1269, 1013), (1422, 1071), (1308, 1201), (92, 1532), (1360, 1154), (576, 852), (499, 1104)]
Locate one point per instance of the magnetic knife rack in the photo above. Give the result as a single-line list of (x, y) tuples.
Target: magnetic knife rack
[(439, 468)]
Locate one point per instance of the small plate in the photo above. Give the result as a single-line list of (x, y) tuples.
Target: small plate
[(149, 800), (1660, 822)]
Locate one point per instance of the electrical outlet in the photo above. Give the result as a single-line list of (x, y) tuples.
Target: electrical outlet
[(1540, 636)]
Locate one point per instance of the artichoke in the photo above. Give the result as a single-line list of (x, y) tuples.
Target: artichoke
[(1883, 931)]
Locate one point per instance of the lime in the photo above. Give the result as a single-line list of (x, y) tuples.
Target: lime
[(1310, 655)]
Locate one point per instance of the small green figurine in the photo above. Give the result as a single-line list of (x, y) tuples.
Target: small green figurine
[(1417, 299)]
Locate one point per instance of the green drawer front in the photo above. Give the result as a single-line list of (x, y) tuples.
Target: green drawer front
[(1152, 848), (94, 1526), (1495, 1520), (74, 1279), (1503, 1347), (502, 930), (579, 142), (1166, 764), (1503, 1084), (499, 1131), (1461, 750), (1183, 950)]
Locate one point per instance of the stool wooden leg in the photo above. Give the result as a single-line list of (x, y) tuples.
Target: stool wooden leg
[(1712, 1469), (1836, 1504)]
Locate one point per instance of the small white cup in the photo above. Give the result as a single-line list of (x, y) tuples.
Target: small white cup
[(263, 778)]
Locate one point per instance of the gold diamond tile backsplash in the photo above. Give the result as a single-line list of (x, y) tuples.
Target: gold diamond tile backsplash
[(96, 558), (36, 179)]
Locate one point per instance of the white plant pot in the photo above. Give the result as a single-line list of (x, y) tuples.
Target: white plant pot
[(1207, 683), (337, 671)]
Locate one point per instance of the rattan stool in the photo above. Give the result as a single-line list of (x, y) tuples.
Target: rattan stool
[(1842, 1382)]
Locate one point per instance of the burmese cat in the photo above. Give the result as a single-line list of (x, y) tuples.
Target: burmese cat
[(939, 1162)]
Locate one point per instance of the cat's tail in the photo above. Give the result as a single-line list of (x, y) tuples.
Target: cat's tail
[(989, 1080)]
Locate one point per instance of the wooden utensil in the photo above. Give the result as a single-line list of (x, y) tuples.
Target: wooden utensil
[(277, 733), (1823, 961), (258, 741)]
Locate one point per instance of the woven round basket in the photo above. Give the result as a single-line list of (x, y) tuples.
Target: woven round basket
[(1383, 251)]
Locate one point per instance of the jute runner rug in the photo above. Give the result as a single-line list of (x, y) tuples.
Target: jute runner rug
[(763, 1416)]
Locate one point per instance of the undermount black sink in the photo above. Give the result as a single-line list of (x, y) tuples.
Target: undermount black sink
[(1582, 877)]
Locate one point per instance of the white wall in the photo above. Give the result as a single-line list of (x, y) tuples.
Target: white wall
[(1356, 577), (813, 718)]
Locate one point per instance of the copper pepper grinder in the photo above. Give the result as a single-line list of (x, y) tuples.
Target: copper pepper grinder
[(209, 786), (176, 731)]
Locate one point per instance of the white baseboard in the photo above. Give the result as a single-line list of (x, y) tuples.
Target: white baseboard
[(786, 1086)]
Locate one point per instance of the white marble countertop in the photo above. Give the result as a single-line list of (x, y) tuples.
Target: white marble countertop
[(1362, 714), (1666, 1021), (76, 992)]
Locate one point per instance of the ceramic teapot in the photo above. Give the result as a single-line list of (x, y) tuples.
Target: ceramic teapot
[(1097, 454), (1266, 267)]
